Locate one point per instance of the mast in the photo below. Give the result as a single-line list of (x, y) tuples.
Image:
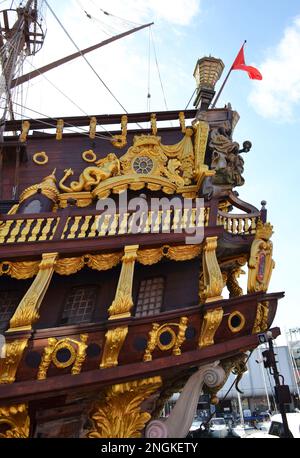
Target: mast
[(21, 35)]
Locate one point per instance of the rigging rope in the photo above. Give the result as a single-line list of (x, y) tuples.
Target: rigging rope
[(83, 56), (149, 72), (190, 99), (64, 94), (84, 132)]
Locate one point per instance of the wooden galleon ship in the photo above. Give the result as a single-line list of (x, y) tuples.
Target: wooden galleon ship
[(116, 254)]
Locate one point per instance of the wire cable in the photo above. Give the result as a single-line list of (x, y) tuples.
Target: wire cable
[(84, 132), (83, 56), (190, 99)]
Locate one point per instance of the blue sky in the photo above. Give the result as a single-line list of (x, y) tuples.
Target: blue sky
[(185, 30)]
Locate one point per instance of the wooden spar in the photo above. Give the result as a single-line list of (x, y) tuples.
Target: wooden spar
[(46, 68)]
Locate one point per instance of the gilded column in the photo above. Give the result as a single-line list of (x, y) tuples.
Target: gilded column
[(27, 311), (211, 284), (120, 308)]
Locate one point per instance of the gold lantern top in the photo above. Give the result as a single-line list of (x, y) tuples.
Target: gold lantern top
[(208, 71)]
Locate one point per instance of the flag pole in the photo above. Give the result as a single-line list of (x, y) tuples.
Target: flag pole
[(224, 82)]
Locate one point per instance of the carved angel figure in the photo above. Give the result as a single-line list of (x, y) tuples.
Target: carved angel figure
[(91, 176)]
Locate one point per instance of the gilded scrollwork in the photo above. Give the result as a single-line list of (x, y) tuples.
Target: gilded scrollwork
[(211, 283), (260, 264), (14, 421), (211, 322), (174, 342), (20, 270), (47, 188), (75, 348), (119, 413), (114, 340), (27, 311), (123, 302), (9, 365), (261, 319)]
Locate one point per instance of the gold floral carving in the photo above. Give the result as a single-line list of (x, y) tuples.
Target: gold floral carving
[(212, 286), (83, 199), (20, 270), (69, 266), (260, 264), (261, 319), (77, 349), (182, 121), (123, 302), (40, 158), (27, 311), (14, 421), (175, 343), (211, 321), (151, 256), (13, 354), (118, 414), (114, 340)]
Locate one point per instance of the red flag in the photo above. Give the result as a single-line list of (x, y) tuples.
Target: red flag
[(239, 64)]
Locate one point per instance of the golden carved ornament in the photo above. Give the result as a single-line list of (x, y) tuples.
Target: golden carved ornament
[(151, 256), (211, 322), (47, 187), (114, 340), (201, 129), (118, 414), (261, 319), (92, 175), (119, 141), (27, 311), (175, 342), (13, 354), (83, 199), (69, 266), (20, 270), (260, 264), (89, 156), (263, 230), (232, 282), (93, 126), (153, 124), (240, 323), (76, 348), (40, 158), (25, 130), (212, 286), (182, 121), (59, 129), (122, 304), (14, 422)]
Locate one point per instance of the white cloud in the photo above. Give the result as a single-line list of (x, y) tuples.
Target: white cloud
[(278, 94)]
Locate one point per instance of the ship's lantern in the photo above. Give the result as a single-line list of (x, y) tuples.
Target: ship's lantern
[(207, 72)]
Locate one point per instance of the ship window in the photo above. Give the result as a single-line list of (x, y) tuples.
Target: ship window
[(34, 206), (8, 304), (79, 305), (150, 296)]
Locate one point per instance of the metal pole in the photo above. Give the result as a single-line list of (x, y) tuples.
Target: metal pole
[(241, 409), (224, 82), (277, 383), (264, 378)]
